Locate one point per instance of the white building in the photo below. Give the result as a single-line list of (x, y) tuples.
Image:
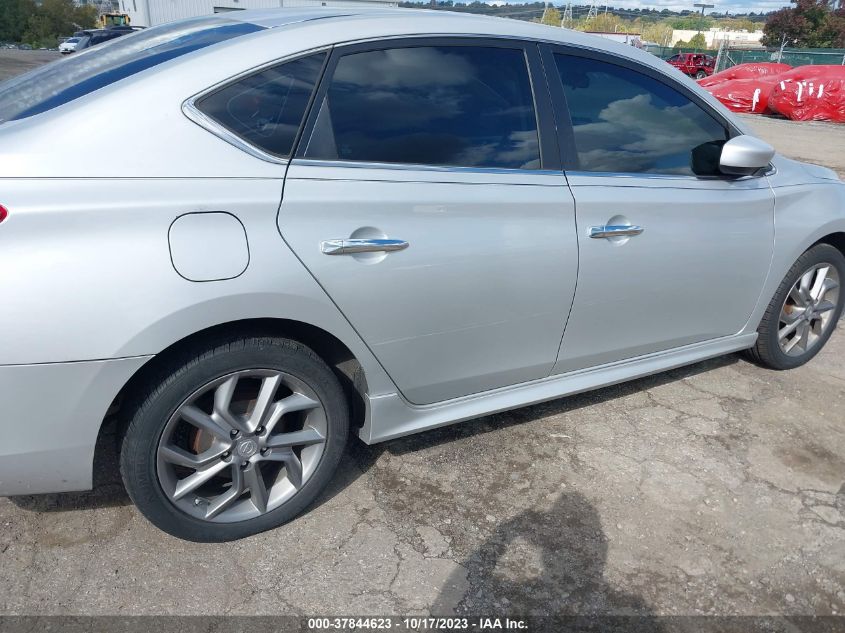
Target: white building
[(715, 36), (631, 39), (154, 12)]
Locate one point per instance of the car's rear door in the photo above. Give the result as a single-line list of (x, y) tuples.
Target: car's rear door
[(671, 253), (427, 198)]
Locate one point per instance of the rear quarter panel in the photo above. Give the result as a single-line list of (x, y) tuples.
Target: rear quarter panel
[(88, 271)]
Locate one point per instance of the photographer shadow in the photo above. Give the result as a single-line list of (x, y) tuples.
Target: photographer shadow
[(547, 563)]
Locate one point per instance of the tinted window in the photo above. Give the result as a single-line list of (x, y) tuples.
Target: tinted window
[(432, 105), (59, 82), (625, 121), (266, 109)]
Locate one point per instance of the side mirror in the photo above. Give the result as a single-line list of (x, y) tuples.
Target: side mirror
[(745, 156)]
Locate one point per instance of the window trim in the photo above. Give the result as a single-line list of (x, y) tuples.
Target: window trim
[(192, 112), (569, 153), (543, 112)]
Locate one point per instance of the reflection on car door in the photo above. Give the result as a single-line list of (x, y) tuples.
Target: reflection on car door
[(677, 254), (421, 201)]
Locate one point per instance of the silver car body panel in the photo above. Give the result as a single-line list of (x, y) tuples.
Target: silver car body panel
[(407, 419), (92, 292), (50, 447), (662, 289), (513, 273)]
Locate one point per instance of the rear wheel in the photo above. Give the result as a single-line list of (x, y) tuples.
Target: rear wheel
[(803, 313), (237, 439)]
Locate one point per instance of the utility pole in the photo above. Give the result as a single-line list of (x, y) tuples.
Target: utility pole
[(567, 20), (594, 12), (703, 6)]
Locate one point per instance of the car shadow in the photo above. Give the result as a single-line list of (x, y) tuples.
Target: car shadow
[(359, 457), (565, 404), (108, 490)]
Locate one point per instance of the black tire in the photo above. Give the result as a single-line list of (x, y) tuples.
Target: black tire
[(767, 351), (174, 383), (700, 74)]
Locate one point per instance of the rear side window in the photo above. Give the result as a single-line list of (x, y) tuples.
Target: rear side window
[(266, 108), (460, 106), (625, 121), (62, 81)]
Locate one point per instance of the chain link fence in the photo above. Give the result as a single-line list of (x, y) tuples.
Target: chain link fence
[(728, 57)]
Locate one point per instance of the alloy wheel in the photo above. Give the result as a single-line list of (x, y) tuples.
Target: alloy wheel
[(807, 313), (241, 445)]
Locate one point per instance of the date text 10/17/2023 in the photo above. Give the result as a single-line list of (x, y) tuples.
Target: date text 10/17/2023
[(417, 624)]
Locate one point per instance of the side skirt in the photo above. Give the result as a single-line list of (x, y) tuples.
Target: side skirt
[(391, 416)]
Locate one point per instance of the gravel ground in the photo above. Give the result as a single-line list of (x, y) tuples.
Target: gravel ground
[(15, 62), (713, 489)]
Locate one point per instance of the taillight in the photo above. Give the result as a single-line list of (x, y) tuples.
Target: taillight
[(3, 213)]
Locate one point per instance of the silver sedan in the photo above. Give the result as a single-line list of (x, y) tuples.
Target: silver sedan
[(311, 223)]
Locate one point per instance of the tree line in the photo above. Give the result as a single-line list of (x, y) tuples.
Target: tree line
[(43, 24), (807, 24)]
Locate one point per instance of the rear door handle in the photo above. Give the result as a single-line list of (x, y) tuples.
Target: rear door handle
[(351, 246), (614, 230)]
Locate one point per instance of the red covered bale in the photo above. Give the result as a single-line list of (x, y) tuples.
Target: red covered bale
[(810, 93), (745, 71), (750, 96)]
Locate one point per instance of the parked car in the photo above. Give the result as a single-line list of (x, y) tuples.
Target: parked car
[(93, 37), (422, 266), (69, 45), (695, 65)]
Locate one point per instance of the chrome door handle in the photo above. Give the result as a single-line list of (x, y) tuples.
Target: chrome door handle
[(351, 246), (611, 230)]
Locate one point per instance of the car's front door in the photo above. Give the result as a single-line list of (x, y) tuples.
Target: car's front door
[(428, 202), (671, 254)]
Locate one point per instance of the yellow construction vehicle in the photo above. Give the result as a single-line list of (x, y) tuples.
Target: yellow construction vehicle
[(112, 19)]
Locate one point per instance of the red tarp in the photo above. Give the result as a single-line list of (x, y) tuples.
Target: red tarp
[(744, 71), (745, 95), (810, 93), (806, 93)]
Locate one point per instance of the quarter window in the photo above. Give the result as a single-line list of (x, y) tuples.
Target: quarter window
[(461, 106), (625, 121), (266, 108)]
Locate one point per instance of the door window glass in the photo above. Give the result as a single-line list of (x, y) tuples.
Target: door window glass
[(625, 121), (433, 105)]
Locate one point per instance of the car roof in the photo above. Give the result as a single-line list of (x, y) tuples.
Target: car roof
[(321, 26), (358, 21)]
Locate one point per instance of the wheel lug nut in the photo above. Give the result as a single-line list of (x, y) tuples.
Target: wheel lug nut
[(259, 430), (225, 455), (265, 451), (234, 433)]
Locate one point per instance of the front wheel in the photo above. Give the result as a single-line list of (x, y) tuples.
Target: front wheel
[(234, 439), (803, 313), (700, 74)]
